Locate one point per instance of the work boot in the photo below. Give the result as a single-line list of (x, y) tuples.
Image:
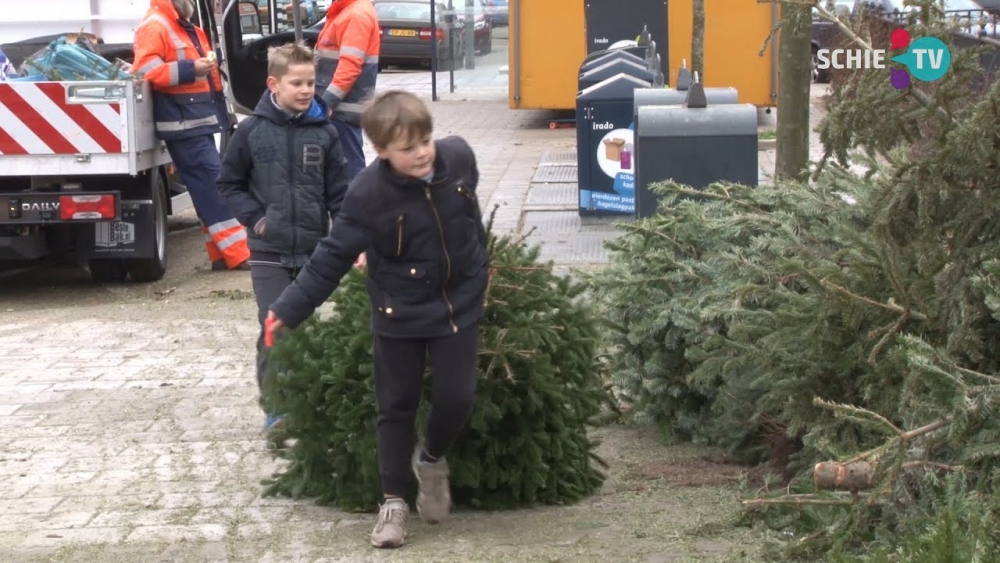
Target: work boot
[(390, 528), (433, 489)]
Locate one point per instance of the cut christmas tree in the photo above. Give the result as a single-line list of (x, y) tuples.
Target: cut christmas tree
[(850, 321), (539, 388)]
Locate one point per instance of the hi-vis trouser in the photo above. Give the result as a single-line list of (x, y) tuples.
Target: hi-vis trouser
[(198, 163)]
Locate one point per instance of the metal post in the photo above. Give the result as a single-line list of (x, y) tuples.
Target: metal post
[(434, 54), (470, 35), (451, 46), (297, 19)]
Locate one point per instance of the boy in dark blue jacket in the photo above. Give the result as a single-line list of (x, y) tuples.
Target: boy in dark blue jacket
[(414, 213), (284, 176)]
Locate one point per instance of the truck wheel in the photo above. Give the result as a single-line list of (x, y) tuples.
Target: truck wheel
[(153, 269), (111, 270)]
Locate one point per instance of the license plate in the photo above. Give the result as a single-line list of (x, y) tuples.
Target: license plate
[(403, 32)]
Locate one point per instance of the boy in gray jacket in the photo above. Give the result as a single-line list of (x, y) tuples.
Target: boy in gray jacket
[(284, 176)]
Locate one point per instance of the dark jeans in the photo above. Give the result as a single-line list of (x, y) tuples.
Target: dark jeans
[(353, 144), (269, 279), (399, 378)]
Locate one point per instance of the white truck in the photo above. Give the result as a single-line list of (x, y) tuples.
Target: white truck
[(82, 173)]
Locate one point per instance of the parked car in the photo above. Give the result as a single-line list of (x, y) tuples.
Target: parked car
[(497, 12), (826, 35), (406, 33), (482, 26), (307, 9)]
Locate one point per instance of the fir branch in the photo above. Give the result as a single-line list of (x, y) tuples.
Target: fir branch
[(800, 499), (890, 331), (922, 97), (859, 413), (934, 465), (991, 378), (887, 306)]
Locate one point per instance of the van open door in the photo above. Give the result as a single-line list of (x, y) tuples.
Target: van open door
[(245, 42)]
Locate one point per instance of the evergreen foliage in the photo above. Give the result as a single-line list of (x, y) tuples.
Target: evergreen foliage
[(856, 313), (539, 388)]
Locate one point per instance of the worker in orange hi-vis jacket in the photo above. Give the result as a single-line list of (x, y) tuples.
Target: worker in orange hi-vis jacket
[(189, 108), (348, 48)]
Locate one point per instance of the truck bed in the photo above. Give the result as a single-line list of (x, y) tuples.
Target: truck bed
[(77, 128)]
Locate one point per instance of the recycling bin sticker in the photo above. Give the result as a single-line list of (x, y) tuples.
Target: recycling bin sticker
[(614, 156)]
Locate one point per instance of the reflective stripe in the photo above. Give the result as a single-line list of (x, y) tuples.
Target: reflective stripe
[(178, 44), (336, 91), (175, 73), (223, 225), (334, 55), (175, 70), (231, 239), (360, 53), (350, 107), (185, 125), (155, 63)]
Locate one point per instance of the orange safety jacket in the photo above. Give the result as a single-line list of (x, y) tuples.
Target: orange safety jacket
[(184, 105), (348, 48)]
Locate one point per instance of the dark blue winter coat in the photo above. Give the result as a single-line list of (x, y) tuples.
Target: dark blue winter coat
[(425, 243)]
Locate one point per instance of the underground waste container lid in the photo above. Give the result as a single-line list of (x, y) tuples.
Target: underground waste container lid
[(620, 86)]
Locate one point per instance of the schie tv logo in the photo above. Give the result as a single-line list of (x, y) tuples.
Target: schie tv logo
[(926, 59)]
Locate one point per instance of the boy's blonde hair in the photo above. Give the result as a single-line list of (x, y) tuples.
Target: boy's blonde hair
[(394, 114), (280, 59)]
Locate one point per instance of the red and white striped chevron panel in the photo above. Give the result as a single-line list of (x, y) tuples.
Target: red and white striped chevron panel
[(36, 118)]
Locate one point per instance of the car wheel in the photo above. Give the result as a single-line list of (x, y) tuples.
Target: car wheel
[(152, 269), (819, 75)]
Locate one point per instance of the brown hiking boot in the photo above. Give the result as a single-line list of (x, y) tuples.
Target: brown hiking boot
[(434, 491), (390, 528)]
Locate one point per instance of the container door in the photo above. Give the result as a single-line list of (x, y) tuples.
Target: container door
[(246, 41)]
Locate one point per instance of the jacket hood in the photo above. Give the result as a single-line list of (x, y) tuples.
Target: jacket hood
[(266, 108), (336, 7), (166, 7)]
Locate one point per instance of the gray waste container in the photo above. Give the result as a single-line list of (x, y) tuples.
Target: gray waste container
[(670, 97), (612, 68), (694, 146), (606, 22), (604, 139)]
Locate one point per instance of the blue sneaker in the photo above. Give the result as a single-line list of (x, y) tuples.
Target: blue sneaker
[(273, 423)]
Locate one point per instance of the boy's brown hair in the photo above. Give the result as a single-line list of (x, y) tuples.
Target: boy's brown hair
[(394, 114), (279, 59)]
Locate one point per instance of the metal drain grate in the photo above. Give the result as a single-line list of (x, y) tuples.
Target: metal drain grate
[(558, 158), (575, 248), (555, 174), (553, 194)]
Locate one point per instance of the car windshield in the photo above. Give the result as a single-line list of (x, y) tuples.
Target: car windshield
[(403, 11)]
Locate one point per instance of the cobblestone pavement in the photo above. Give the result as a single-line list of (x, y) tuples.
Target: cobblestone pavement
[(129, 428)]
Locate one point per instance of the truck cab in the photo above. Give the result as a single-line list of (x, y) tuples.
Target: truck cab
[(245, 47)]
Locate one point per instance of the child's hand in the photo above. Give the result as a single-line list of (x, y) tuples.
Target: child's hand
[(361, 261), (271, 325)]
